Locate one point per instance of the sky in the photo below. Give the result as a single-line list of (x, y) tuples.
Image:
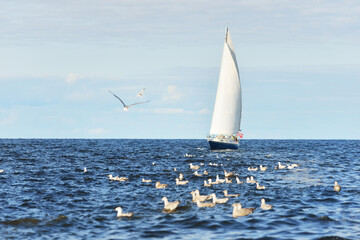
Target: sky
[(299, 64)]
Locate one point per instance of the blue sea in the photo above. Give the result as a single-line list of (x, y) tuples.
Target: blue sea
[(45, 193)]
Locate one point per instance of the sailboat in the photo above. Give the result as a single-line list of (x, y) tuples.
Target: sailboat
[(225, 124)]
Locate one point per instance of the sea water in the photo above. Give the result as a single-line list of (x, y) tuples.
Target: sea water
[(45, 193)]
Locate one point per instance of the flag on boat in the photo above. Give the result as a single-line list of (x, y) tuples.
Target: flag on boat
[(239, 134)]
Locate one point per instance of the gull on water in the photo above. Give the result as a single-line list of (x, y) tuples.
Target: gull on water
[(197, 197), (239, 211), (206, 184), (228, 174), (1, 170), (238, 181), (252, 168), (170, 206), (264, 205), (337, 187), (251, 180), (181, 176), (259, 187), (194, 197), (194, 167), (197, 174), (121, 214), (117, 178), (218, 180), (281, 166), (85, 170), (211, 182), (205, 204), (160, 185), (126, 107), (218, 200), (146, 180), (141, 93), (263, 169), (226, 194), (292, 166), (178, 182), (206, 172), (228, 180)]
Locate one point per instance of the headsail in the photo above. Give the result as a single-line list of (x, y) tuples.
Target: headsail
[(227, 110)]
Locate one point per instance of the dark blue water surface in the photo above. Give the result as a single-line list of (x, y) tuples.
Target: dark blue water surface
[(44, 192)]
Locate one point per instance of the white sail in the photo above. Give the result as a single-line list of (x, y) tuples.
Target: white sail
[(227, 110)]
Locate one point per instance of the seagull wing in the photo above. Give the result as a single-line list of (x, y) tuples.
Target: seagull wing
[(138, 103), (118, 98), (140, 94)]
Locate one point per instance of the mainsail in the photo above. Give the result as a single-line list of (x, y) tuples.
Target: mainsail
[(227, 110)]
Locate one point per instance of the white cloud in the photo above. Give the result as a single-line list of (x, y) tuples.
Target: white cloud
[(96, 131), (11, 118), (173, 93), (170, 110), (72, 78), (79, 96), (204, 111), (175, 111)]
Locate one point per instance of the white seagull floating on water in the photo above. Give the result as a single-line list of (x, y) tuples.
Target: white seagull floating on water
[(264, 205), (239, 211), (205, 204), (218, 200), (126, 107), (259, 187), (160, 185), (251, 180), (170, 206), (179, 182), (228, 174), (121, 214), (197, 197), (281, 166), (337, 187), (252, 168), (226, 194), (262, 168), (238, 181), (194, 167)]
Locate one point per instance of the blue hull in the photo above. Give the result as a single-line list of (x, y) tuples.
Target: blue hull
[(216, 145)]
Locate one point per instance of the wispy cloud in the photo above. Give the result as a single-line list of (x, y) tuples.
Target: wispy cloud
[(173, 93), (11, 117), (174, 111), (96, 131), (204, 111), (108, 20), (79, 96), (72, 78)]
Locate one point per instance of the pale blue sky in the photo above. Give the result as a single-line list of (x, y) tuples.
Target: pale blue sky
[(299, 65)]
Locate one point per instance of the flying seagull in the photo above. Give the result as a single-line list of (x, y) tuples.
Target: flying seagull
[(141, 93), (126, 107)]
